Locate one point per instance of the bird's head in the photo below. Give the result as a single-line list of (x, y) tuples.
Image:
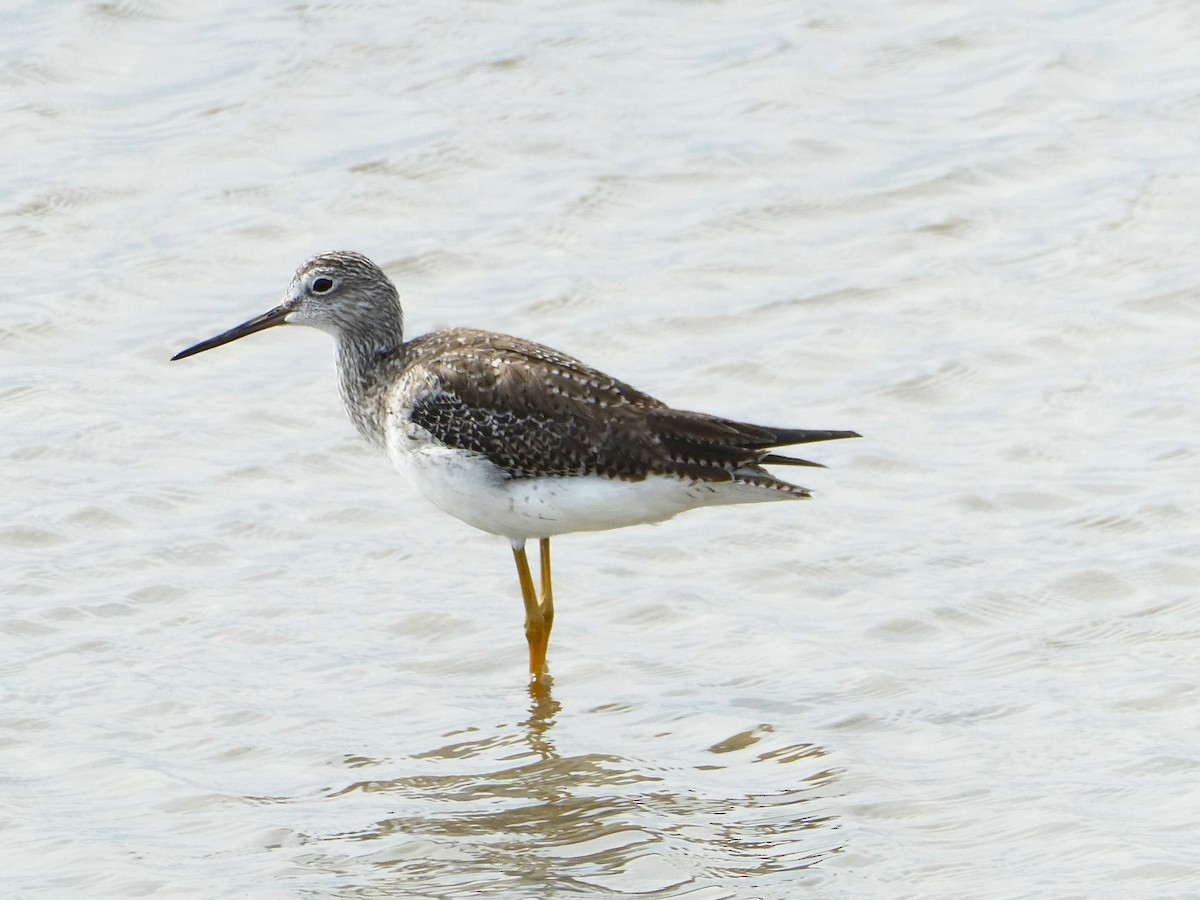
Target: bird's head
[(341, 292)]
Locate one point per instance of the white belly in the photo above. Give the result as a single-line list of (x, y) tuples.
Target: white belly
[(470, 488)]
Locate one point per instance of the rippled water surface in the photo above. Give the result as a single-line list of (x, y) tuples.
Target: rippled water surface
[(241, 658)]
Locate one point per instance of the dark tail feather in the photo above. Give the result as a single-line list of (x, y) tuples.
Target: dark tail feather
[(709, 446), (786, 437), (774, 459)]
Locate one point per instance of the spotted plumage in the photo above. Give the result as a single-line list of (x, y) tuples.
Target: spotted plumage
[(534, 412), (516, 438)]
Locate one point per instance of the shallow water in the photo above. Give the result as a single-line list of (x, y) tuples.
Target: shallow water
[(241, 658)]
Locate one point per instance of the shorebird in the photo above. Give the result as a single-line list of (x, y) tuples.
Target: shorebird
[(515, 438)]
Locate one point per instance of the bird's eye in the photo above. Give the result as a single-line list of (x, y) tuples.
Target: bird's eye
[(322, 285)]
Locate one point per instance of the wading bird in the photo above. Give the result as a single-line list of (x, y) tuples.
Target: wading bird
[(515, 438)]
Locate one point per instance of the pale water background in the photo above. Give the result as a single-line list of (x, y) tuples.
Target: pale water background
[(241, 659)]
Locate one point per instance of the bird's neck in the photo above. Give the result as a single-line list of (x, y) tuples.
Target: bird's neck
[(363, 360)]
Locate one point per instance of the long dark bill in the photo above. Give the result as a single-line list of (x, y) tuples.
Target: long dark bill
[(269, 319)]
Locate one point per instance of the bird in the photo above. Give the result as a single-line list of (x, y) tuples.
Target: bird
[(515, 438)]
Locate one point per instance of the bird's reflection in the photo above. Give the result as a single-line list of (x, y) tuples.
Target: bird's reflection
[(503, 801), (542, 710)]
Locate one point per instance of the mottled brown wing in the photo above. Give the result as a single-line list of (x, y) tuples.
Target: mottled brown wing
[(534, 411)]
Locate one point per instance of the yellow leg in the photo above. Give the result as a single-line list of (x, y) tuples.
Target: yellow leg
[(546, 601), (537, 632)]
